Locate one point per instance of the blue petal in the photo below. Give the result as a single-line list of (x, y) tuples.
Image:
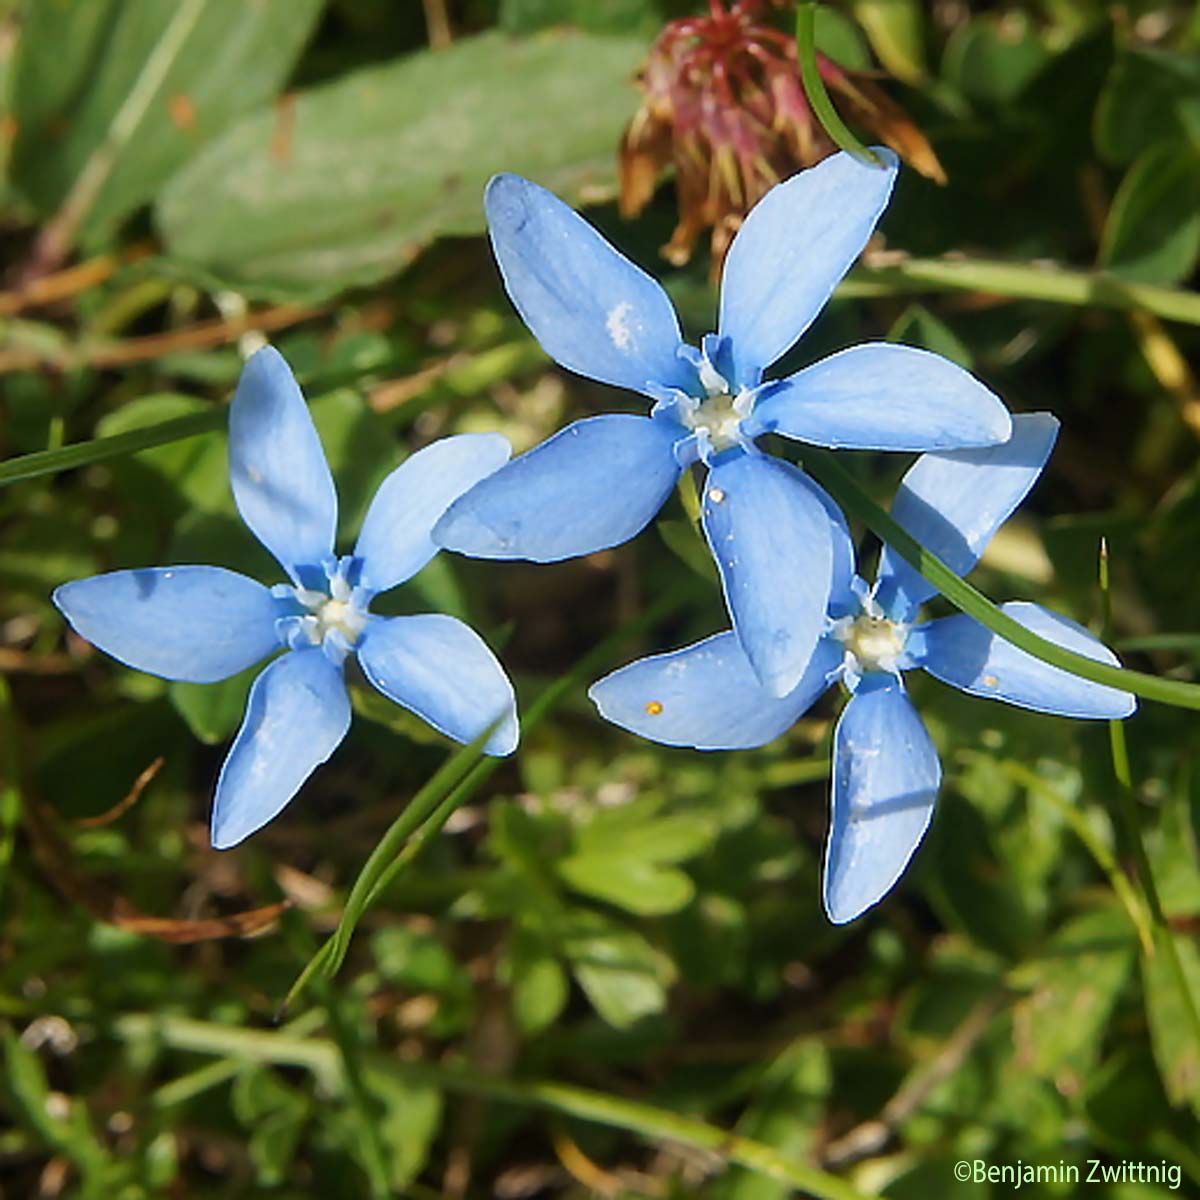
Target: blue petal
[(198, 624), (592, 310), (772, 540), (961, 652), (953, 503), (842, 597), (277, 469), (592, 485), (395, 542), (707, 696), (795, 246), (296, 717), (885, 780), (884, 397), (443, 671)]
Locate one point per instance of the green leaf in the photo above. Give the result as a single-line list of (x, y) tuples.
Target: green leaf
[(1073, 987), (213, 711), (416, 960), (374, 706), (624, 976), (1152, 234), (613, 16), (993, 59), (1171, 1030), (383, 161), (126, 93), (785, 1112), (538, 982), (1150, 96), (412, 1115), (838, 38), (917, 326), (634, 884), (896, 30), (627, 829)]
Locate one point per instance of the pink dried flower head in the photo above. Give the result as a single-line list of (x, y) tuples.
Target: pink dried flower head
[(723, 102)]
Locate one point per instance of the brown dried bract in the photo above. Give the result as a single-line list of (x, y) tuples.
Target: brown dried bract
[(724, 104)]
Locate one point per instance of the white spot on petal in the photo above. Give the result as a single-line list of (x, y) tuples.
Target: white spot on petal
[(618, 326)]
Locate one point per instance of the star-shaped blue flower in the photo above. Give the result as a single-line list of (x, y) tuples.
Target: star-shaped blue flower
[(599, 481), (202, 624), (886, 771)]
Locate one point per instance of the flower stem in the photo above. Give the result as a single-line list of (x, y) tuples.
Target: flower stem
[(814, 87), (974, 603), (451, 786), (647, 1121)]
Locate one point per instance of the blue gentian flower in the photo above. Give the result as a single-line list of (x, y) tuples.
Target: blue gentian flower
[(886, 771), (202, 624), (599, 481)]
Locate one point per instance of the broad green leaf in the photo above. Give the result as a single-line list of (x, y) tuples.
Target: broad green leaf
[(613, 16), (993, 59), (624, 976), (378, 164), (839, 38), (537, 980), (273, 1143), (109, 98), (412, 1115), (416, 960), (1152, 234), (1150, 96), (896, 30), (213, 711), (630, 830), (372, 704), (634, 884), (1172, 1032), (1073, 987)]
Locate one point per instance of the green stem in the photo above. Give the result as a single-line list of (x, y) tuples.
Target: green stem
[(453, 784), (1105, 860), (1022, 281), (814, 87), (968, 599), (1127, 806), (82, 454), (652, 1123)]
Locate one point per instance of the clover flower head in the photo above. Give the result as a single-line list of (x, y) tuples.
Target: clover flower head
[(886, 771), (599, 481), (723, 103), (203, 624)]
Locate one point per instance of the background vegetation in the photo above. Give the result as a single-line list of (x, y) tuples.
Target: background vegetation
[(609, 974)]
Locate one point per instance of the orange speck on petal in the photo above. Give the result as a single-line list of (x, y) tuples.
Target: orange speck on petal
[(654, 708), (183, 111)]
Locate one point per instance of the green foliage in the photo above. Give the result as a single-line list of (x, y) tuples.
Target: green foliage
[(369, 169), (126, 93), (601, 967)]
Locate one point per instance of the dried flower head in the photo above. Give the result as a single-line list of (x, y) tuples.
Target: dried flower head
[(724, 104)]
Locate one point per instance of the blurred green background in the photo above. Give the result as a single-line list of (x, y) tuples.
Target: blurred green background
[(610, 974)]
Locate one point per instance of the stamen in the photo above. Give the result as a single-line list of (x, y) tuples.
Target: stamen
[(875, 643)]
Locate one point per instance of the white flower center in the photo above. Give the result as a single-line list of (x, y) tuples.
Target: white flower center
[(329, 612), (720, 414), (875, 642)]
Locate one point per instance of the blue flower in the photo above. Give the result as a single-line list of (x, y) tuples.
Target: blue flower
[(885, 767), (599, 481), (201, 624)]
